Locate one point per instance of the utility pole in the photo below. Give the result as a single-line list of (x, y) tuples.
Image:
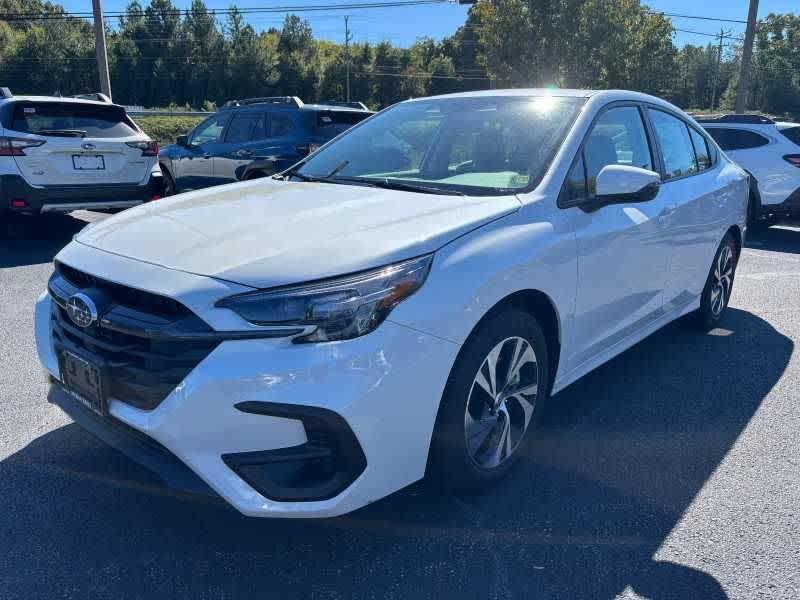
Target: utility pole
[(747, 56), (347, 52), (718, 72), (100, 48)]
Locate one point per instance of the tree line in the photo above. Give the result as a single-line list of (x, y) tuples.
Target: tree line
[(162, 56)]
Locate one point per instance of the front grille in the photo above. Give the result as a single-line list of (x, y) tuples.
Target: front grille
[(124, 295), (144, 344)]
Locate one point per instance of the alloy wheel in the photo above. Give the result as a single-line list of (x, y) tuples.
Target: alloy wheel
[(501, 402), (723, 280)]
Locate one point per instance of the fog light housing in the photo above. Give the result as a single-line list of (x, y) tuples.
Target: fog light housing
[(323, 467)]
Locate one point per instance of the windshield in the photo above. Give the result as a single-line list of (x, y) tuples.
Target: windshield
[(477, 145)]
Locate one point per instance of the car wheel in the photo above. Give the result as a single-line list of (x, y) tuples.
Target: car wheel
[(719, 285), (169, 183), (492, 401)]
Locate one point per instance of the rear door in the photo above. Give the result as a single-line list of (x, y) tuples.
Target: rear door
[(238, 148), (85, 144), (700, 202)]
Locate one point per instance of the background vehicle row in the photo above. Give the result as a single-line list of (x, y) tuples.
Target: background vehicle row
[(252, 138)]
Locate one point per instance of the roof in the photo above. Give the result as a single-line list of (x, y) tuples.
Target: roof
[(62, 99), (600, 95), (335, 107)]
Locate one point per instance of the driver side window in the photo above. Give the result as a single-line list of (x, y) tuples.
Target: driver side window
[(210, 130), (617, 138)]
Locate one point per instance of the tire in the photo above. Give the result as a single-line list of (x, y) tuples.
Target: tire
[(719, 285), (169, 183), (456, 465)]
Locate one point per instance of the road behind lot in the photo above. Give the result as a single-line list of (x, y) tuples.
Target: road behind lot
[(671, 472)]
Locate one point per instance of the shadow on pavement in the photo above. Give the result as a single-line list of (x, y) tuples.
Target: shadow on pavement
[(30, 241), (776, 238), (624, 453)]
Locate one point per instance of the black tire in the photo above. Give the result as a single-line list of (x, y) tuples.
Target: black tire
[(169, 183), (711, 312), (451, 465)]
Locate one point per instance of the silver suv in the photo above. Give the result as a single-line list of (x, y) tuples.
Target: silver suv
[(61, 154)]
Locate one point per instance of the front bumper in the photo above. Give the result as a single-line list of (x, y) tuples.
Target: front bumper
[(14, 189), (246, 399)]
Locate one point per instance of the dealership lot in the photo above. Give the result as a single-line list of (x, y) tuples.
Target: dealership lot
[(670, 472)]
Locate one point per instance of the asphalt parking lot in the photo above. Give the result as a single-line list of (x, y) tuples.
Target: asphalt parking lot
[(671, 472)]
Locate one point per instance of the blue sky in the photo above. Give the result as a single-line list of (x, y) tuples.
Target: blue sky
[(402, 26)]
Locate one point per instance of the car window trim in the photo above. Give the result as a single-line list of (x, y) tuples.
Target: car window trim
[(655, 155), (696, 157)]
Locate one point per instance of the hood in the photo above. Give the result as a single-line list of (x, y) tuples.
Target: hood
[(265, 233)]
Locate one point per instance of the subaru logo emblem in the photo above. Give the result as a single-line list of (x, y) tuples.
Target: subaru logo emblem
[(87, 146), (82, 310)]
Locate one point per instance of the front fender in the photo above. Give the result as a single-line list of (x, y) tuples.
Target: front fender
[(531, 249)]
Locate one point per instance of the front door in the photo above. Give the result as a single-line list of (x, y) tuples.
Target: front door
[(623, 249), (195, 168)]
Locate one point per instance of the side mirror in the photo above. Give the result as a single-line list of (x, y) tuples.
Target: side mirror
[(621, 184), (182, 140)]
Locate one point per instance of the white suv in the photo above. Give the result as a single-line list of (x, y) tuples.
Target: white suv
[(770, 152), (62, 154), (401, 302)]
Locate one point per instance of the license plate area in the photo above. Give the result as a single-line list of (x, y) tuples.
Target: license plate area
[(88, 162), (83, 381)]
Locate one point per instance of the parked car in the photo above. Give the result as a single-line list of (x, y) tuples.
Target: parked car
[(770, 152), (253, 138), (403, 301), (62, 154)]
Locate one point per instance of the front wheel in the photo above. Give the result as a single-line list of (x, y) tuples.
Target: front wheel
[(719, 284), (491, 403)]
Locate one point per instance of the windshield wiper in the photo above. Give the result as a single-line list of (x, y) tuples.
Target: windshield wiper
[(64, 132), (326, 178), (394, 184)]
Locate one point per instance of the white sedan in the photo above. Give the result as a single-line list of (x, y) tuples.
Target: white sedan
[(402, 302)]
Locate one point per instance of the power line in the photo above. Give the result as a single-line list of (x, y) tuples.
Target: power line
[(696, 17), (714, 35), (243, 11)]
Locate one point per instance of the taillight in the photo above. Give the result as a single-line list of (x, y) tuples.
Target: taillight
[(793, 159), (10, 146), (147, 148)]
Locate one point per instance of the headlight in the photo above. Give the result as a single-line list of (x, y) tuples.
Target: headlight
[(341, 308)]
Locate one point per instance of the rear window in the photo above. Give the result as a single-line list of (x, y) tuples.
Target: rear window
[(87, 119), (736, 139), (793, 133), (331, 123)]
